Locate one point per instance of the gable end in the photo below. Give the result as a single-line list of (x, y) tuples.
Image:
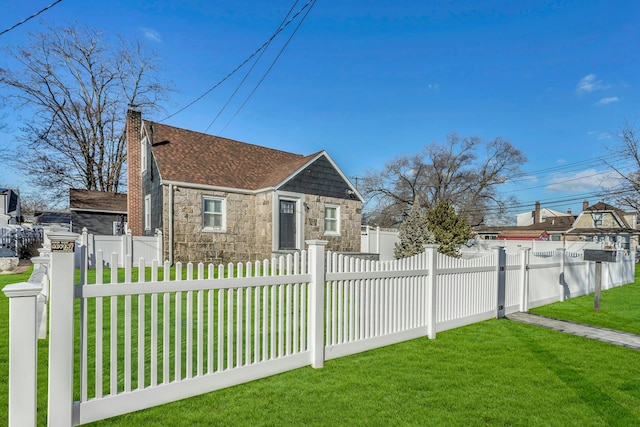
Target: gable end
[(320, 178)]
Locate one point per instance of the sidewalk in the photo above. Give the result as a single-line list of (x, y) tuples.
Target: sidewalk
[(611, 336)]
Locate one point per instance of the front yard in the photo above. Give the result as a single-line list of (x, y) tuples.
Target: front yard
[(496, 372)]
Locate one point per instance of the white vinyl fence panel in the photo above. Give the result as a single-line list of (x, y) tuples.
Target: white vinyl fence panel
[(137, 247)]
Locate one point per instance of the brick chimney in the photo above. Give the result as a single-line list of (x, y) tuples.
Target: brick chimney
[(134, 177), (585, 205), (536, 214)]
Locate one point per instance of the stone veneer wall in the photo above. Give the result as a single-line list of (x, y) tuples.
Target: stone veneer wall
[(350, 222), (245, 239)]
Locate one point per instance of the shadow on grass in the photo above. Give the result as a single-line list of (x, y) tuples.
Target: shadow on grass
[(601, 403)]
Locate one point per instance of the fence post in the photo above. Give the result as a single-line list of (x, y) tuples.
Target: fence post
[(23, 352), (159, 245), (524, 279), (316, 295), (564, 287), (127, 247), (430, 251), (61, 325), (501, 272), (365, 245), (41, 268)]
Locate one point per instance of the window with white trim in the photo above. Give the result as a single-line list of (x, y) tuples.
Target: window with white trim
[(214, 216), (119, 228), (147, 212), (143, 155), (332, 220), (597, 219)]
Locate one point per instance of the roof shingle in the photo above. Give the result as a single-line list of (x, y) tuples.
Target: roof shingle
[(193, 157), (97, 201)]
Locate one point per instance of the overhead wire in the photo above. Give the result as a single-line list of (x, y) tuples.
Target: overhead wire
[(244, 79), (270, 66), (600, 194), (243, 63), (30, 17)]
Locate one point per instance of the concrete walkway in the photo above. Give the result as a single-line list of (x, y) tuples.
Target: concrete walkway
[(611, 336)]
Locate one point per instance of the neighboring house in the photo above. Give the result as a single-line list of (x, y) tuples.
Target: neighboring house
[(99, 212), (527, 234), (539, 224), (221, 200), (598, 223), (60, 219), (605, 223), (540, 215), (10, 212)]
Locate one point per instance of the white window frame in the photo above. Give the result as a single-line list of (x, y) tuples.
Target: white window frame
[(116, 226), (336, 220), (223, 214), (147, 212), (598, 219), (143, 154)]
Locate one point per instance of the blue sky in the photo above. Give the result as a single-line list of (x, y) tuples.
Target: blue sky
[(372, 80)]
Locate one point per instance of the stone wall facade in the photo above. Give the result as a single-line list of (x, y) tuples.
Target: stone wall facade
[(246, 238), (249, 226), (350, 222)]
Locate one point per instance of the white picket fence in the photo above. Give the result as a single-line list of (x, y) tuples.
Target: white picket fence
[(157, 339)]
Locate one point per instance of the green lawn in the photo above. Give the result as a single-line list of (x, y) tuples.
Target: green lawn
[(619, 308), (492, 373)]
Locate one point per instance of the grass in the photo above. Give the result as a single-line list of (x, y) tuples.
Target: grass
[(619, 308), (492, 373)]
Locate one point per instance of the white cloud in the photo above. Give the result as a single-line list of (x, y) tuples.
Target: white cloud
[(590, 83), (152, 35), (608, 100), (599, 135), (584, 181)]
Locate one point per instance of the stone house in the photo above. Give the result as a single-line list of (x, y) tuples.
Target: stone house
[(220, 200)]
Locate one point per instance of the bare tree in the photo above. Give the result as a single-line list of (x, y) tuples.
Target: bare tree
[(73, 89), (464, 173), (627, 148)]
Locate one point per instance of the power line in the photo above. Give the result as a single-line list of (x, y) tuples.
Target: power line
[(248, 72), (270, 66), (225, 78), (560, 182), (30, 17)]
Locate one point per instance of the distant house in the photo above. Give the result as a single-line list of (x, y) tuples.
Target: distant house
[(61, 219), (527, 234), (216, 199), (540, 215), (539, 224), (100, 212), (10, 212), (605, 223), (598, 223)]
